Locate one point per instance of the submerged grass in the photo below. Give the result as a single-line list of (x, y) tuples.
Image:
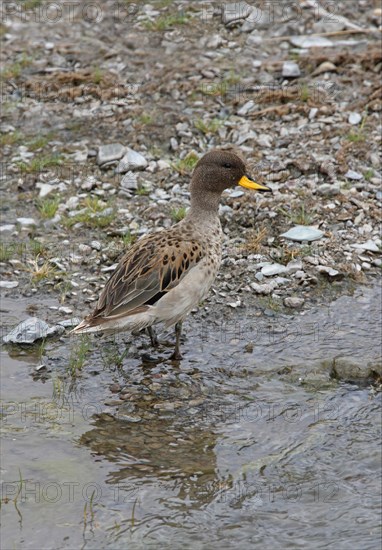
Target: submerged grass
[(78, 355)]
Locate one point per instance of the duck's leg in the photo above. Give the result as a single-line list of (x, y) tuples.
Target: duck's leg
[(176, 356), (153, 337)]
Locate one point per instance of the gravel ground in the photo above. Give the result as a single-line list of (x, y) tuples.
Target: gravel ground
[(105, 113)]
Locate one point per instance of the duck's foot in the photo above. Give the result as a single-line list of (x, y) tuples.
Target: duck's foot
[(177, 356), (153, 337)]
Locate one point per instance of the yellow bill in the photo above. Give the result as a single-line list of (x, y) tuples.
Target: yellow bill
[(250, 184)]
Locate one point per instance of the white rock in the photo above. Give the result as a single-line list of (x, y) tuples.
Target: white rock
[(263, 289), (65, 310), (7, 227), (293, 266), (30, 330), (311, 41), (352, 175), (354, 118), (273, 269), (26, 222), (235, 11), (294, 302), (72, 203), (328, 270), (96, 245), (129, 181), (163, 165), (131, 161), (368, 245), (110, 152), (9, 284), (235, 193), (45, 189), (303, 233), (291, 69), (246, 108)]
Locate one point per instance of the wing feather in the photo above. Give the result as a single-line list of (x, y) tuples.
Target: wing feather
[(150, 268)]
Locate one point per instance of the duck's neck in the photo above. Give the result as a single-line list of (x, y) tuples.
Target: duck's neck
[(204, 207)]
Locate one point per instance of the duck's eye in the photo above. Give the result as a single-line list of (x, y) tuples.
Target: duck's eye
[(227, 165)]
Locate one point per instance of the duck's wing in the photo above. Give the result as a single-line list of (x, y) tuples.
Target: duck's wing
[(150, 268)]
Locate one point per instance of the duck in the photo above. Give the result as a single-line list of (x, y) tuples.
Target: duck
[(164, 275)]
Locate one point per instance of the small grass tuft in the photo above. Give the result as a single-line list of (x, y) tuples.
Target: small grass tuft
[(208, 126), (39, 142), (48, 207), (369, 174), (78, 354), (128, 239), (299, 215), (11, 138), (255, 240), (186, 165), (93, 214), (40, 163), (40, 272), (177, 214), (165, 22), (97, 75)]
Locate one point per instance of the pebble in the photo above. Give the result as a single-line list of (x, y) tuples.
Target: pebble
[(330, 272), (66, 310), (72, 203), (325, 67), (163, 165), (303, 233), (30, 330), (84, 249), (130, 181), (246, 108), (354, 118), (264, 289), (353, 175), (96, 245), (69, 323), (45, 189), (235, 11), (328, 189), (291, 69), (9, 284), (273, 269), (294, 302), (368, 245), (311, 41), (109, 153), (131, 161), (7, 227), (26, 222), (293, 266)]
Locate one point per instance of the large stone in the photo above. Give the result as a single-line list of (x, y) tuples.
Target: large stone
[(303, 233), (131, 161), (291, 69), (31, 330), (235, 12), (311, 41), (109, 153), (294, 302), (273, 269)]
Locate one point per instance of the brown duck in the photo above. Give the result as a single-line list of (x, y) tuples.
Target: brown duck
[(163, 276)]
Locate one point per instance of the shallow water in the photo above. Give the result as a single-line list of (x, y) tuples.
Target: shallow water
[(262, 435)]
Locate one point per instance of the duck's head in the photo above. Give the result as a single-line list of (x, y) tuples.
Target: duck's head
[(219, 170)]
